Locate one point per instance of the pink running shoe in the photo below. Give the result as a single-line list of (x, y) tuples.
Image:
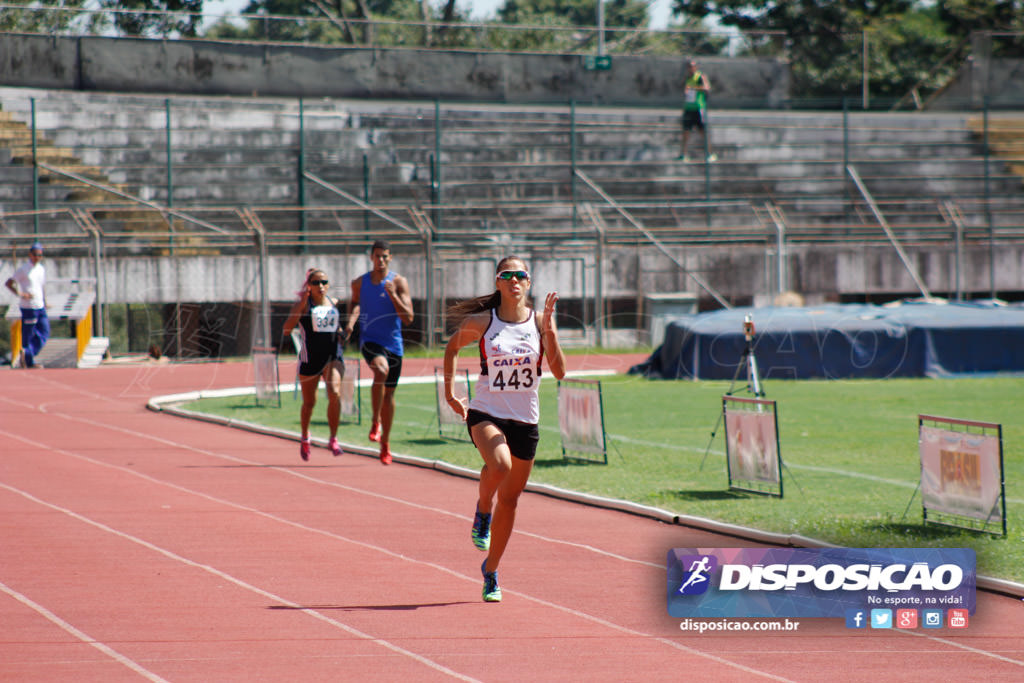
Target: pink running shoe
[(304, 449), (375, 432), (385, 454), (335, 447)]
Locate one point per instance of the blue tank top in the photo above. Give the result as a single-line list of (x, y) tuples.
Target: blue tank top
[(379, 322)]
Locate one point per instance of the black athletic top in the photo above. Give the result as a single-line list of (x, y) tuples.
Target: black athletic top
[(321, 341)]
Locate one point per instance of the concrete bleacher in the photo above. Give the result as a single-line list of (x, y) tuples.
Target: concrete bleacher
[(229, 152)]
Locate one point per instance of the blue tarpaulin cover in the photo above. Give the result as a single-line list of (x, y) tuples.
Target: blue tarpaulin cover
[(845, 341)]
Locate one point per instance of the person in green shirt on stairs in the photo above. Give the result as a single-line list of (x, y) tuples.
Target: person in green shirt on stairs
[(695, 91)]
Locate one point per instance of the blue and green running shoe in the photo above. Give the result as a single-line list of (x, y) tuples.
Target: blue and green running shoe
[(491, 591), (482, 530)]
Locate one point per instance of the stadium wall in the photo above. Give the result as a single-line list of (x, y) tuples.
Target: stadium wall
[(219, 295), (745, 275), (250, 69)]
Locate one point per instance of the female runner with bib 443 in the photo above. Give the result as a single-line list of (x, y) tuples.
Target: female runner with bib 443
[(503, 415)]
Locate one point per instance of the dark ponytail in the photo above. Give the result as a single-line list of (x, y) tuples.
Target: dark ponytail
[(463, 309)]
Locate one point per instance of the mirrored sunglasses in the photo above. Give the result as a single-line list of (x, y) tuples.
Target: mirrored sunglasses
[(517, 274)]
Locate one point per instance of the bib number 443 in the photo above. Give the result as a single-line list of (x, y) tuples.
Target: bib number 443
[(513, 379)]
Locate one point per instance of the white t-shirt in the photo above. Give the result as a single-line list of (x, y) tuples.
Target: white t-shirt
[(510, 356), (31, 278)]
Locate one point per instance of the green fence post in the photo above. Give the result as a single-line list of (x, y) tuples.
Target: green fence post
[(302, 176), (366, 192), (170, 171), (437, 163), (572, 163), (35, 172), (988, 202), (846, 154), (707, 176)]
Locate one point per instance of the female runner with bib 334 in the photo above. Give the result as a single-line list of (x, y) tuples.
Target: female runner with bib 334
[(320, 354), (503, 415)]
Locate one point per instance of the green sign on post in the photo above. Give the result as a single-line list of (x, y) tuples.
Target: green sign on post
[(597, 62)]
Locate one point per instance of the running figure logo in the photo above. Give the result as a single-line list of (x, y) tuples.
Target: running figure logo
[(697, 577)]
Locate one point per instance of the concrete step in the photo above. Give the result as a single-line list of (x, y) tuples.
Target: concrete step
[(59, 353)]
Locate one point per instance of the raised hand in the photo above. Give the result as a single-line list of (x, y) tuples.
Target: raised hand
[(547, 321)]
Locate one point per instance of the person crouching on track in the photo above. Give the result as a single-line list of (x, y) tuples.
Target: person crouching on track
[(318, 317), (503, 415)]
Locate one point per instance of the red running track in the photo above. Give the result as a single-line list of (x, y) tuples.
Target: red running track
[(142, 546)]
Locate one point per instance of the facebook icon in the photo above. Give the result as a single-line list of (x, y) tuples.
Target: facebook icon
[(856, 618)]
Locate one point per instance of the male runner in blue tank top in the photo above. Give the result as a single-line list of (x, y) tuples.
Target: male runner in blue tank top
[(382, 304)]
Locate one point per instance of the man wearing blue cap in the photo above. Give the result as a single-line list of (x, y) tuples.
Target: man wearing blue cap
[(28, 284)]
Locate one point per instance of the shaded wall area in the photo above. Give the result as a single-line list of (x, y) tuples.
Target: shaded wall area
[(249, 69)]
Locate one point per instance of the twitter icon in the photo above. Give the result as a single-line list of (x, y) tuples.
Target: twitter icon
[(881, 618)]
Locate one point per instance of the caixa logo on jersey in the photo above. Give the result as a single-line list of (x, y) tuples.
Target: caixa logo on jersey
[(510, 361), (816, 582)]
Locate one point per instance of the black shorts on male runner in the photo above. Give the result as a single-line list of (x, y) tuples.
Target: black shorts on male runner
[(521, 437), (372, 349)]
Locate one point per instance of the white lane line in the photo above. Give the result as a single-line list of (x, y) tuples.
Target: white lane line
[(228, 577), (424, 507), (975, 650), (385, 551), (351, 489), (77, 633)]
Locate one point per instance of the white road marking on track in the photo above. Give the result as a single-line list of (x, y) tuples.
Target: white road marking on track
[(965, 647), (224, 575), (84, 637), (390, 553), (445, 512), (351, 489)]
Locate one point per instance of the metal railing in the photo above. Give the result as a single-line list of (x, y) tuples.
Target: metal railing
[(439, 181), (431, 156)]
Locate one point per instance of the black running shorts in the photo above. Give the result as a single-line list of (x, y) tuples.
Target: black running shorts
[(521, 437), (372, 349)]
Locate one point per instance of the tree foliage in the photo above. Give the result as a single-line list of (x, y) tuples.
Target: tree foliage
[(346, 21), (623, 13), (45, 16), (960, 17), (354, 22), (153, 17), (910, 44)]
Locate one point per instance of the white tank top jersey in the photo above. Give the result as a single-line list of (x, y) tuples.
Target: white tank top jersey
[(510, 356)]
